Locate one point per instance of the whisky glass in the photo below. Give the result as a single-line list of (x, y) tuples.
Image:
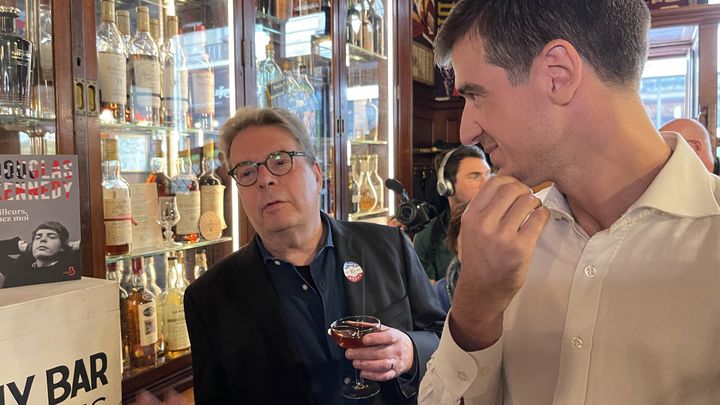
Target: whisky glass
[(168, 216), (348, 333)]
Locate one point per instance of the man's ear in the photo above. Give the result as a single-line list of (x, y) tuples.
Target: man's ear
[(561, 66), (695, 145)]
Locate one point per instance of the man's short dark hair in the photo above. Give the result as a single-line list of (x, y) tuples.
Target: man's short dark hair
[(451, 167), (610, 35), (59, 228)]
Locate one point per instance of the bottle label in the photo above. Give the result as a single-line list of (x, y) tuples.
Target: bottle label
[(355, 198), (203, 92), (118, 219), (46, 61), (212, 199), (175, 91), (113, 78), (147, 83), (147, 320), (189, 208), (176, 329)]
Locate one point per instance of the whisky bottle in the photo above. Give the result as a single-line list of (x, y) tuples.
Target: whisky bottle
[(377, 17), (376, 181), (268, 73), (150, 283), (16, 61), (368, 195), (142, 321), (354, 24), (187, 192), (155, 33), (201, 265), (144, 74), (212, 191), (182, 268), (354, 186), (175, 329), (111, 66), (175, 79), (202, 84), (116, 203), (114, 275), (123, 25), (158, 174), (367, 30)]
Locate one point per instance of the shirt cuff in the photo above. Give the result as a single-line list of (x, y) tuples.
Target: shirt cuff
[(409, 381), (467, 374)]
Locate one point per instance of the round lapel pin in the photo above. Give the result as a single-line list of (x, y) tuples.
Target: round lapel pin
[(353, 271)]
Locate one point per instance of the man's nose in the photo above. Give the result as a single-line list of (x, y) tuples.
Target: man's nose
[(265, 178), (470, 129)]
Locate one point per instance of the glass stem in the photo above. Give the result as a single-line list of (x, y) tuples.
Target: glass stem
[(359, 381)]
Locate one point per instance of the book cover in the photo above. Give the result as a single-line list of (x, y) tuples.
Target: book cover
[(39, 219)]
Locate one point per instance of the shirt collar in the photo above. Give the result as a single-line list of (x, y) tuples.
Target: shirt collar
[(683, 187), (267, 256)]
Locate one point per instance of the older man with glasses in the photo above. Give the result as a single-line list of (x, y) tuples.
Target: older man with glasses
[(259, 319)]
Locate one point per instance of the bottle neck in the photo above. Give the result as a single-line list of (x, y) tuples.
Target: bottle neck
[(157, 164), (111, 169), (209, 165), (7, 24), (184, 166), (137, 280)]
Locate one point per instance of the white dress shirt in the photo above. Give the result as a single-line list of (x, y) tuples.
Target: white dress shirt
[(630, 315)]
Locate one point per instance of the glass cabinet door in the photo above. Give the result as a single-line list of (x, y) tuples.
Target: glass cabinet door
[(27, 94), (294, 64), (369, 114), (166, 84)]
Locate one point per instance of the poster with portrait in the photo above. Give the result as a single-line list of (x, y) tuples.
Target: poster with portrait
[(39, 219)]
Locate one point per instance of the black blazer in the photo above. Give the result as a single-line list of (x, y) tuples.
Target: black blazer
[(241, 348)]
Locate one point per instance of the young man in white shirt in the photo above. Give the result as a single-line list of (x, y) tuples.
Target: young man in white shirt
[(602, 289)]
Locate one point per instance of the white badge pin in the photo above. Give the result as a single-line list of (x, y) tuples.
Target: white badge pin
[(353, 271)]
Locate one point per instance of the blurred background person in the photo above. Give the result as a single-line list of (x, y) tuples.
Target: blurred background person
[(698, 138), (461, 174)]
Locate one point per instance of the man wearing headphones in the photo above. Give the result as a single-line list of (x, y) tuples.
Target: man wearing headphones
[(461, 173)]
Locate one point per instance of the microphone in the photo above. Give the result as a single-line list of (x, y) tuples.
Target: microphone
[(397, 187)]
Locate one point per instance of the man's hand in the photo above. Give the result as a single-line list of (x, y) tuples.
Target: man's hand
[(393, 221), (500, 229), (386, 355)]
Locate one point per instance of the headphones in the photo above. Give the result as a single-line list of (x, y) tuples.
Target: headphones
[(445, 187)]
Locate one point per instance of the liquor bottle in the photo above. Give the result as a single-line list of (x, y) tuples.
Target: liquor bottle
[(212, 191), (150, 283), (187, 191), (116, 203), (354, 24), (111, 66), (142, 322), (45, 90), (368, 195), (268, 74), (144, 73), (372, 116), (376, 181), (175, 329), (123, 25), (114, 275), (16, 61), (367, 30), (311, 105), (201, 265), (289, 99), (176, 98), (158, 175), (377, 17), (354, 186), (155, 32), (202, 84)]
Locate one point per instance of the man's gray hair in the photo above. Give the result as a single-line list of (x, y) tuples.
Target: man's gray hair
[(247, 117)]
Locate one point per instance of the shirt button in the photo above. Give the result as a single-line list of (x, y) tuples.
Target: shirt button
[(305, 287), (577, 342), (590, 271), (277, 262), (462, 376)]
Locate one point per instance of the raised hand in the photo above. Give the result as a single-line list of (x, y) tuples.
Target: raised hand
[(500, 229), (386, 355)]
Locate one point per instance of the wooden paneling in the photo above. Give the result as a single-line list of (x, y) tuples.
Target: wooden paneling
[(434, 121)]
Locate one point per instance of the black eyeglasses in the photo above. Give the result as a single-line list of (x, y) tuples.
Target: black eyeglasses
[(278, 163)]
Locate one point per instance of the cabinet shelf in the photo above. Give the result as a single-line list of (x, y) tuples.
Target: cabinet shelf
[(368, 214), (15, 123), (147, 129), (158, 251), (358, 54), (361, 142)]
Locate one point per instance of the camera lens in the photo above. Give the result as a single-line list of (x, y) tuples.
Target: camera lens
[(405, 213)]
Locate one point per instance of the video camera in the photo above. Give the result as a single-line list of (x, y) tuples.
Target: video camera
[(414, 214)]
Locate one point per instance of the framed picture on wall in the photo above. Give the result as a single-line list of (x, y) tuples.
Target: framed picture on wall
[(423, 66)]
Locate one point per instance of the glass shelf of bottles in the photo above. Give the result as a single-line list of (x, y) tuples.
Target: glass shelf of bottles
[(131, 128), (159, 251), (367, 142), (19, 123), (359, 216), (358, 54)]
